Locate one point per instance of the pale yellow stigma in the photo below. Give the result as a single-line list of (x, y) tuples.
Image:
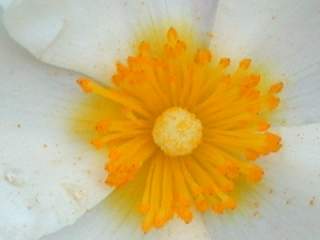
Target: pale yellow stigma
[(177, 131)]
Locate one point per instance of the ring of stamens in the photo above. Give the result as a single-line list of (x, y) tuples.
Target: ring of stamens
[(195, 128)]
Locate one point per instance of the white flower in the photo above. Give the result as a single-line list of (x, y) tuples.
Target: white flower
[(50, 178)]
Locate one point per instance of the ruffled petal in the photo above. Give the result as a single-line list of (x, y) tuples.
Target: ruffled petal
[(88, 36), (48, 177), (282, 35), (287, 203)]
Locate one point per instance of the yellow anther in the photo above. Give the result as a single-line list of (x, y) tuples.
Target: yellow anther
[(254, 173), (263, 126), (218, 208), (144, 48), (185, 214), (85, 84), (97, 143), (229, 203), (245, 63), (202, 205), (252, 81), (276, 88), (224, 62), (203, 56), (273, 102), (251, 155), (172, 35)]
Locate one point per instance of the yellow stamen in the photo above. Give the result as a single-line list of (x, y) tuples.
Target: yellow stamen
[(195, 128)]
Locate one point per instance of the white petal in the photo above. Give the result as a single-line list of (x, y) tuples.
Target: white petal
[(116, 219), (90, 35), (282, 35), (287, 203), (48, 177), (5, 3)]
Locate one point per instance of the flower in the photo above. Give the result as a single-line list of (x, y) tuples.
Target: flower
[(76, 35)]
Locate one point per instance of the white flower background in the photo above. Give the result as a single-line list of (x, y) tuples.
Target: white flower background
[(51, 182)]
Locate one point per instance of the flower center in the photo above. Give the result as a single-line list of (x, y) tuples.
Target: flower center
[(177, 131), (189, 129)]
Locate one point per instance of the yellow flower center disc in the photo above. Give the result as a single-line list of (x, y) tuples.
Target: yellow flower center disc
[(177, 132)]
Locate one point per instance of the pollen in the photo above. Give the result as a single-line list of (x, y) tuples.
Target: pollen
[(177, 132), (188, 124)]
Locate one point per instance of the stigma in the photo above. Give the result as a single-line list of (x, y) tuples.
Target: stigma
[(177, 132), (189, 125)]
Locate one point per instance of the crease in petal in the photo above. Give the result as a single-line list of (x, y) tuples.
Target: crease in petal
[(87, 36)]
